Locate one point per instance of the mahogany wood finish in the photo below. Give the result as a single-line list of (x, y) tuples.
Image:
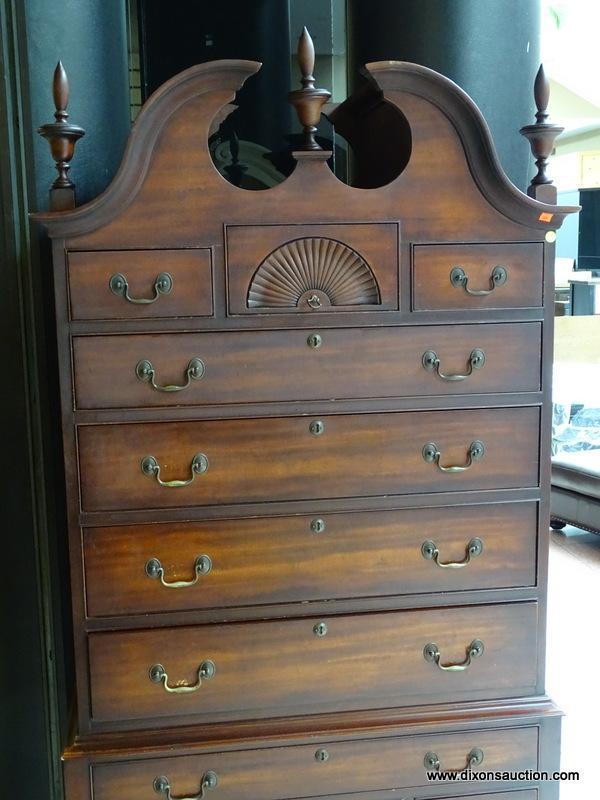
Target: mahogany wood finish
[(528, 794), (262, 669), (358, 766), (303, 558), (252, 366), (336, 551), (346, 265), (92, 298), (356, 455), (62, 136), (433, 264)]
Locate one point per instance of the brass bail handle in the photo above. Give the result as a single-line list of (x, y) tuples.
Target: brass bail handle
[(163, 284), (459, 279), (431, 362), (151, 468), (432, 454), (162, 785), (430, 552), (155, 569), (158, 674), (431, 652), (145, 372), (474, 759)]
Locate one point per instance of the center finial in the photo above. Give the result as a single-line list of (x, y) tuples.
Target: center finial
[(308, 101)]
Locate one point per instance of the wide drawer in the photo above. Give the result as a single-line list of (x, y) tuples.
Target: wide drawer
[(245, 562), (269, 366), (132, 284), (295, 458), (527, 794), (291, 667), (336, 767), (472, 276)]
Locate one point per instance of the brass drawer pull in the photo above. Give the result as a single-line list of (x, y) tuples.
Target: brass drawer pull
[(431, 363), (432, 455), (163, 284), (154, 569), (429, 550), (474, 759), (150, 467), (145, 372), (158, 674), (431, 652), (209, 780), (459, 278)]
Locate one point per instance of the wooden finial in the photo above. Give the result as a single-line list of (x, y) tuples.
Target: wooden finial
[(308, 101), (62, 137), (541, 136)]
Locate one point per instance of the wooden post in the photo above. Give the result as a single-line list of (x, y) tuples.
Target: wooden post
[(62, 137), (541, 135), (308, 101)]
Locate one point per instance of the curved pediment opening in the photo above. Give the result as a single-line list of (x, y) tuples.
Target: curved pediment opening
[(377, 134), (313, 273), (369, 138)]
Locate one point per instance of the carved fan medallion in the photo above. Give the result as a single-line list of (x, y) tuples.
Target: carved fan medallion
[(312, 273)]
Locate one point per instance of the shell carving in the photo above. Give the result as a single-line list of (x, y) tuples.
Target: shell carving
[(311, 273)]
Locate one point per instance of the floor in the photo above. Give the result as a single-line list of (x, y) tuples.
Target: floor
[(573, 666)]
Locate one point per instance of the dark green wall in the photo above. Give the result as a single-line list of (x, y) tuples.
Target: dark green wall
[(90, 38), (35, 660)]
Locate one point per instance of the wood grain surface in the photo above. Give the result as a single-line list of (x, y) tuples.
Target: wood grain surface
[(281, 667), (432, 265), (92, 298), (272, 366), (282, 560), (354, 766), (280, 459)]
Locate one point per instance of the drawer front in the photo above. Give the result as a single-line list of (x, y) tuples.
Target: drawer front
[(510, 274), (263, 460), (528, 794), (245, 562), (254, 366), (312, 269), (279, 668), (100, 284), (296, 771)]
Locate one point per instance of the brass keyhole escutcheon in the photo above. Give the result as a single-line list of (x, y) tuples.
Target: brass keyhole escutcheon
[(316, 427), (315, 340), (322, 754), (318, 525), (320, 629)]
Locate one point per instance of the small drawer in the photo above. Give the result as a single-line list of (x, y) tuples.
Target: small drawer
[(473, 276), (128, 371), (249, 562), (312, 269), (331, 768), (213, 462), (277, 668), (134, 284)]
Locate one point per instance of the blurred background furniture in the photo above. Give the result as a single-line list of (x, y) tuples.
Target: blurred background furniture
[(563, 269), (575, 496)]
